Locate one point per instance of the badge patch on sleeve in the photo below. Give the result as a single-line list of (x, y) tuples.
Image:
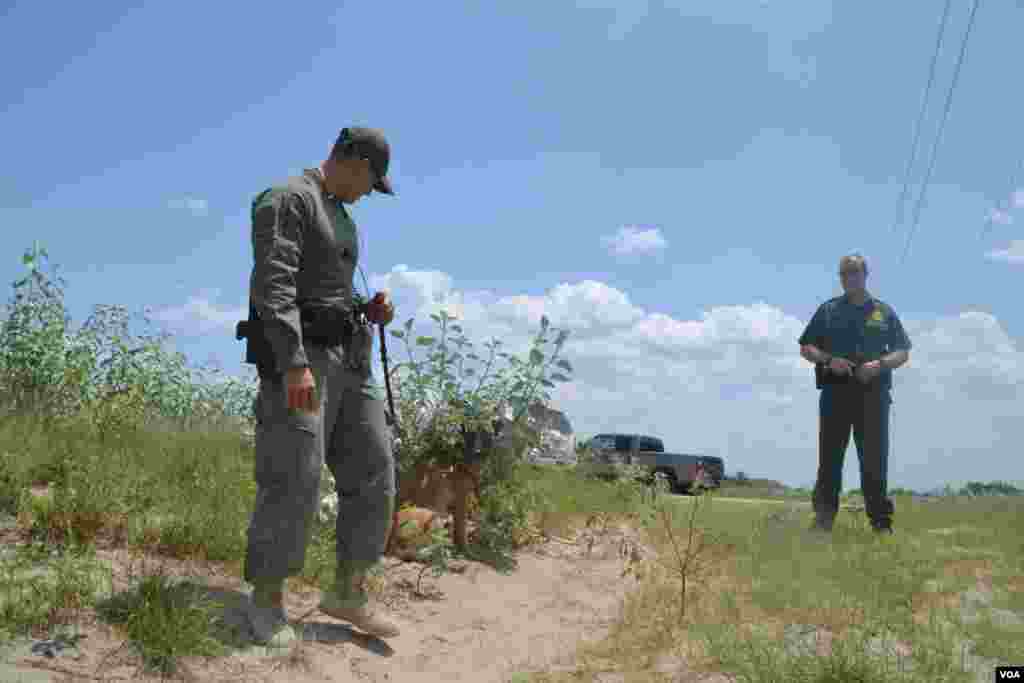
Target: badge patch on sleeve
[(876, 320)]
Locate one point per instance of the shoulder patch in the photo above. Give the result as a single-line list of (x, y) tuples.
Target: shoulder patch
[(262, 199)]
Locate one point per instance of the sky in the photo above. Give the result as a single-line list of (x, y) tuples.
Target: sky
[(673, 182)]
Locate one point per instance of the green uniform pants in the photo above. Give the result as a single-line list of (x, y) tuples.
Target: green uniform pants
[(350, 434), (866, 411)]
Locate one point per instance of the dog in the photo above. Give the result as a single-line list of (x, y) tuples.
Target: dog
[(431, 495)]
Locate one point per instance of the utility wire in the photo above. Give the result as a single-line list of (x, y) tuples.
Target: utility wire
[(920, 116), (942, 126)]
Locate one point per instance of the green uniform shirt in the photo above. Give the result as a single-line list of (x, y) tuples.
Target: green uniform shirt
[(305, 249), (858, 333)]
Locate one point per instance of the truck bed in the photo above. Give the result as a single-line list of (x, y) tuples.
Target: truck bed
[(713, 467)]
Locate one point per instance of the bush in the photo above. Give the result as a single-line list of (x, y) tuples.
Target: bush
[(453, 392), (504, 522), (995, 488)]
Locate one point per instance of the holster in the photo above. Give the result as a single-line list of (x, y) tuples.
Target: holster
[(823, 376), (323, 325)]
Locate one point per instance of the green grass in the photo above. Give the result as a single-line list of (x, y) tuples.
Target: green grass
[(31, 601), (765, 579), (560, 495), (165, 620), (767, 576), (180, 495), (130, 490), (135, 486), (158, 493)]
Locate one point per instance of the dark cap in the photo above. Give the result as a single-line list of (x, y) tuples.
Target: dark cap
[(369, 144)]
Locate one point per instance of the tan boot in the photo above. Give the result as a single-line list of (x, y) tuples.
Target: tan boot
[(363, 618), (349, 602)]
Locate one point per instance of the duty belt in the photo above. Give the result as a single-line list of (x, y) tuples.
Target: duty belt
[(325, 326)]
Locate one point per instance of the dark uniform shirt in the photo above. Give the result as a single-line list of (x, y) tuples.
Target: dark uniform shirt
[(858, 333), (306, 250)]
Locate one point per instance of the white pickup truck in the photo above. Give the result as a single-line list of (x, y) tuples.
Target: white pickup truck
[(682, 471)]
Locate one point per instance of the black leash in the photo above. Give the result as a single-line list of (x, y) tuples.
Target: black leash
[(387, 375), (391, 405)]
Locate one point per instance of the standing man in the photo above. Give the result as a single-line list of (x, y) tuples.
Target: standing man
[(855, 342), (317, 400)]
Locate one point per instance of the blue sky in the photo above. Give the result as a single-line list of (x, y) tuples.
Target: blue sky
[(674, 181)]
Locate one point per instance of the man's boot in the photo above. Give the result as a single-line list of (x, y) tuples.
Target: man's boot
[(349, 602), (266, 615)]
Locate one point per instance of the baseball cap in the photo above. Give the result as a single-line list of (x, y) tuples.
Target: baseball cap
[(371, 145)]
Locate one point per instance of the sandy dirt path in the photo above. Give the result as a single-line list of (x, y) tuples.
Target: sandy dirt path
[(488, 625), (475, 625)]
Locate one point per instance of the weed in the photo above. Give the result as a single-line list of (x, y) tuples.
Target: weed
[(165, 619), (688, 560), (435, 555)]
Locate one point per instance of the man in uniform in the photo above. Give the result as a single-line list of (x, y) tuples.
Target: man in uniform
[(317, 400), (855, 342)]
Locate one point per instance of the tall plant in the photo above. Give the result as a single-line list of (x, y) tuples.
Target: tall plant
[(99, 369), (453, 390), (34, 356)]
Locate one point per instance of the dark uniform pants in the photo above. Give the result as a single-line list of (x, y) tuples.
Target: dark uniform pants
[(350, 434), (866, 411)]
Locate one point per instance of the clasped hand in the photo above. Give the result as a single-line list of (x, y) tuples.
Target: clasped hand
[(380, 310), (865, 373)]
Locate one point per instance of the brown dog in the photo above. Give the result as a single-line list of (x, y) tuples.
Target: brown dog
[(432, 491)]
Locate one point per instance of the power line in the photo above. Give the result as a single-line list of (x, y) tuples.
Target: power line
[(920, 116), (942, 126)]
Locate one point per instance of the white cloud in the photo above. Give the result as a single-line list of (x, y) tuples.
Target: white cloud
[(1000, 217), (730, 382), (198, 207), (1003, 215), (1013, 254), (632, 240), (200, 316)]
